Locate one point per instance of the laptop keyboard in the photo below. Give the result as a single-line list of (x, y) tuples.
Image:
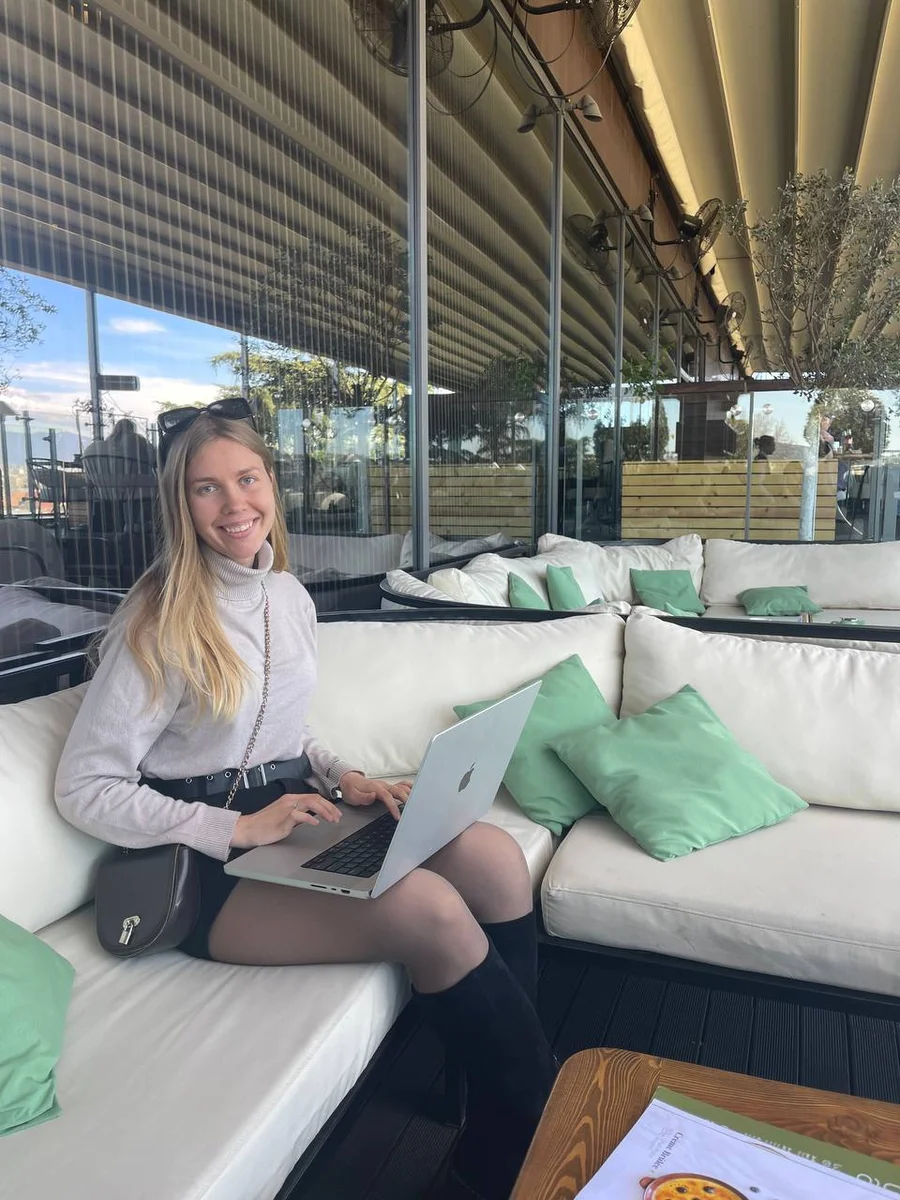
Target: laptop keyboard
[(361, 854)]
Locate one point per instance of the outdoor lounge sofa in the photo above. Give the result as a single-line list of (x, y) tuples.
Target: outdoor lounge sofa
[(182, 1078), (856, 580)]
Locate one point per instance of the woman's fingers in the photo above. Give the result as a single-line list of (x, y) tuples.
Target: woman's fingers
[(312, 803), (386, 795)]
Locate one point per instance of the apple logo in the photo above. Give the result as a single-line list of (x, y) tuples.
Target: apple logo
[(464, 782)]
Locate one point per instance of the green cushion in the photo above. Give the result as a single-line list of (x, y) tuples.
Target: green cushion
[(677, 612), (35, 985), (539, 783), (659, 588), (564, 590), (778, 601), (675, 778), (523, 595)]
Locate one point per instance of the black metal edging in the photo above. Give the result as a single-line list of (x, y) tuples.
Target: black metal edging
[(795, 631), (820, 995)]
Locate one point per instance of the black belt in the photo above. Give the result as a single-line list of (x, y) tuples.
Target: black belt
[(197, 787)]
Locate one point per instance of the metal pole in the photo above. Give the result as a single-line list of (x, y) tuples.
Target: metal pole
[(418, 282), (4, 460), (93, 347), (29, 460), (554, 358), (617, 382), (748, 499), (654, 415), (245, 368)]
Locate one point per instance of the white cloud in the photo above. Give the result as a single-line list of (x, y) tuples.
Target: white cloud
[(55, 408), (135, 325), (54, 372)]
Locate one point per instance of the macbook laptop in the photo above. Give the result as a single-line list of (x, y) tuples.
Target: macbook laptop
[(368, 850)]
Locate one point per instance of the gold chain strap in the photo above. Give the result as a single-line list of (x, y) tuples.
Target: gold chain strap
[(267, 664)]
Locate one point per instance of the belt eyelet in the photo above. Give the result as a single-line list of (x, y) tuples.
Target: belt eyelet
[(210, 777), (190, 779), (227, 774)]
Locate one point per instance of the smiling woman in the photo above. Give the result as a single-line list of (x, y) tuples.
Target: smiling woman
[(231, 499)]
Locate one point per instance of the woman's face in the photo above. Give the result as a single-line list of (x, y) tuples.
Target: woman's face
[(231, 498)]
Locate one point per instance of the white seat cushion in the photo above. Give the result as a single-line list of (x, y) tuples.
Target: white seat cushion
[(186, 1079), (404, 584), (847, 575), (813, 898), (823, 721)]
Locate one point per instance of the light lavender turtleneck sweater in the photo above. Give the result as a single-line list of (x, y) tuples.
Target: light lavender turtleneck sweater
[(118, 736)]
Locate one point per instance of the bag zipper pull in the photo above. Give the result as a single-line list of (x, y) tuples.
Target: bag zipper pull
[(127, 929)]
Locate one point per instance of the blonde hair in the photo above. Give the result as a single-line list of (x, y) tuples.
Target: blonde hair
[(170, 612)]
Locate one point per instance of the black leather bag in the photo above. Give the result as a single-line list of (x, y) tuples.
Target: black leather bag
[(147, 900)]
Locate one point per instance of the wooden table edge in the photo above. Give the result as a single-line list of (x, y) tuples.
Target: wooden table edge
[(557, 1165)]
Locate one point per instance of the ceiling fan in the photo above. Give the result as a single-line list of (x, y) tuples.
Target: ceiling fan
[(383, 26)]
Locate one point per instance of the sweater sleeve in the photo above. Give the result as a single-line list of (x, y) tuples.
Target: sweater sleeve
[(97, 788), (327, 766)]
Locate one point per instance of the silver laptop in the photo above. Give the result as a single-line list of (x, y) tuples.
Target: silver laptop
[(368, 850)]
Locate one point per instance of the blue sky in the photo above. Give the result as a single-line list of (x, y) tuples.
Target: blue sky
[(171, 356)]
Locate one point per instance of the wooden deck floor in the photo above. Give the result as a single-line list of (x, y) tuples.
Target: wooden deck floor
[(387, 1147)]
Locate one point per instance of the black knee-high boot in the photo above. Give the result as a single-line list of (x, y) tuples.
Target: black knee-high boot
[(490, 1025), (516, 943)]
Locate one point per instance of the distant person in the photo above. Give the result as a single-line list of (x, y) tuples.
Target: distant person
[(130, 450), (765, 447), (826, 438)]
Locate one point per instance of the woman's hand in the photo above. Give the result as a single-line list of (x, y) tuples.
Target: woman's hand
[(274, 822), (359, 791)]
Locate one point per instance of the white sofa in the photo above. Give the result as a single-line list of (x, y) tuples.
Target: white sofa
[(181, 1078), (848, 580), (193, 1079)]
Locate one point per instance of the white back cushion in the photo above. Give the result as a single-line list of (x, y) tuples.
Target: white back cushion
[(46, 865), (485, 580), (386, 688), (824, 721), (611, 565), (408, 585), (345, 555), (838, 576)]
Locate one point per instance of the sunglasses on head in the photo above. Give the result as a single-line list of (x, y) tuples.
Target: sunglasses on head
[(176, 420)]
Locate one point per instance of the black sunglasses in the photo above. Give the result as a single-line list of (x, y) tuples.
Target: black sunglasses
[(176, 420)]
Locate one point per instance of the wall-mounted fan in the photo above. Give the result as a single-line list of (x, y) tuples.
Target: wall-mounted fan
[(383, 26), (699, 229), (587, 239), (731, 311), (607, 18), (645, 315)]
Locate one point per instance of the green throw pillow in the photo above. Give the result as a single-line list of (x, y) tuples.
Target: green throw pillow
[(778, 601), (35, 985), (540, 784), (523, 595), (675, 778), (564, 590), (659, 588)]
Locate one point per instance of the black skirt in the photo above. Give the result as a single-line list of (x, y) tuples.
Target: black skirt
[(215, 885)]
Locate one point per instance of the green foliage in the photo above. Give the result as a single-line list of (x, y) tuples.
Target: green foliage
[(20, 326), (827, 261), (848, 417)]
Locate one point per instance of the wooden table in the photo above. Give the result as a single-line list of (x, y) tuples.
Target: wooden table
[(600, 1094)]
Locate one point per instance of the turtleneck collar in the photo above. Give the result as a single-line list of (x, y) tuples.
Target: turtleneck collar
[(235, 582)]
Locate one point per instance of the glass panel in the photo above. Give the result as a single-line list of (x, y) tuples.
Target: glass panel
[(489, 197), (231, 183), (590, 268)]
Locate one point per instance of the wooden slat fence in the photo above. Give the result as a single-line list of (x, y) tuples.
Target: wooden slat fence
[(464, 500), (665, 499)]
